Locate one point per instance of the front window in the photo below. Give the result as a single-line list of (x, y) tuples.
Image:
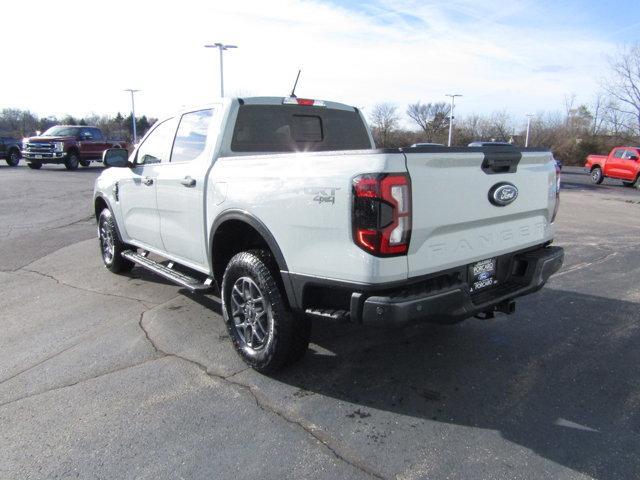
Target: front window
[(61, 131), (192, 136), (156, 148)]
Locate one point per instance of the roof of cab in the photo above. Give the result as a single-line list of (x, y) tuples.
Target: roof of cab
[(279, 101)]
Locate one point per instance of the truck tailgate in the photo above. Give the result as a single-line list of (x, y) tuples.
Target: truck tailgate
[(455, 223)]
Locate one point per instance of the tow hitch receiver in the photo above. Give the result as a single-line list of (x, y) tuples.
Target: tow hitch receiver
[(506, 307)]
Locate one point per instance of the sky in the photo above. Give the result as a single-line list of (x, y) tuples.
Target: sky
[(517, 56)]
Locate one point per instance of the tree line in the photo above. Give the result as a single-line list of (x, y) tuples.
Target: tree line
[(18, 124), (574, 131), (577, 129)]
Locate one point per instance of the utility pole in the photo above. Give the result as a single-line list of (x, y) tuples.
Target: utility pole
[(526, 140), (222, 47), (453, 98), (133, 113)]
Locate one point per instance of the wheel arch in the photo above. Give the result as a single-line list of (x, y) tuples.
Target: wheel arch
[(237, 230), (14, 148), (100, 202), (73, 149)]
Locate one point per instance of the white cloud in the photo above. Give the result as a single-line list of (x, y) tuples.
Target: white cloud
[(75, 58)]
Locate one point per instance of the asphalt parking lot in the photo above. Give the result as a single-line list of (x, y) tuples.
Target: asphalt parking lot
[(105, 376)]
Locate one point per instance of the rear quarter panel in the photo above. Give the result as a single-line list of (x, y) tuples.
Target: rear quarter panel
[(304, 200), (593, 160)]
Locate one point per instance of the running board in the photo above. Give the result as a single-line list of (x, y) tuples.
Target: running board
[(167, 272), (340, 316)]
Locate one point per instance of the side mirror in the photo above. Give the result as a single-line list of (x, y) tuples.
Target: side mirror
[(115, 157), (633, 157)]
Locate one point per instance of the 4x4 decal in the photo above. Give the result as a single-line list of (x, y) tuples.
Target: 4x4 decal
[(323, 194)]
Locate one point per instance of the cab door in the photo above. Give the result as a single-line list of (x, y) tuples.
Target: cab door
[(138, 193), (87, 144), (613, 167), (182, 188), (629, 164)]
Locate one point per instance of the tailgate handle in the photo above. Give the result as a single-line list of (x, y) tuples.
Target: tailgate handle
[(501, 161)]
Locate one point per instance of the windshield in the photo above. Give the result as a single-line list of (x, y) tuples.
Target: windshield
[(62, 132)]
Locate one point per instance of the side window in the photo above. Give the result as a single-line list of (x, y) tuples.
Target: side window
[(96, 133), (192, 135), (156, 148), (86, 134), (619, 153), (629, 153)]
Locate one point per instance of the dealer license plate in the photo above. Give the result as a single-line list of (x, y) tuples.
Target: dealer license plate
[(482, 274)]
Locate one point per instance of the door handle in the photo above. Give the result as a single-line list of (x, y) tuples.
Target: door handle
[(147, 181), (188, 181)]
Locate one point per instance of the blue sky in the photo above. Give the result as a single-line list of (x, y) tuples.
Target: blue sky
[(599, 18), (514, 56)]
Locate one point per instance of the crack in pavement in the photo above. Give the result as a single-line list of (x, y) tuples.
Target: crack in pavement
[(75, 222), (78, 382), (60, 282), (316, 433), (583, 265), (40, 362)]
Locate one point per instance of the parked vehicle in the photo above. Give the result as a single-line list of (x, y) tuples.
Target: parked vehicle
[(10, 151), (72, 145), (621, 163), (287, 207)]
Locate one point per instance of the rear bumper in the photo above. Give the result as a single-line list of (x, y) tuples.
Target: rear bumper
[(450, 305), (441, 298)]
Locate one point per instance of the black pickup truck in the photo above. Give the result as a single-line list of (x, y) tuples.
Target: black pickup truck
[(10, 150)]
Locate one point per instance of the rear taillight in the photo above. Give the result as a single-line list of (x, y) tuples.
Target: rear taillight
[(382, 213), (557, 206)]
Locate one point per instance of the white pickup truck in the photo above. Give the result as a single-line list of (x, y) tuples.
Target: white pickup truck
[(287, 209)]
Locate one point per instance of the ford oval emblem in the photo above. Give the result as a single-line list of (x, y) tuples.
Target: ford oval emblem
[(502, 194)]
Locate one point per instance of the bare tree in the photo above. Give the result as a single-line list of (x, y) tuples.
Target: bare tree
[(598, 108), (624, 83), (384, 120), (432, 118)]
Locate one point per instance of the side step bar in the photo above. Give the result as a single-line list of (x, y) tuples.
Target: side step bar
[(167, 272)]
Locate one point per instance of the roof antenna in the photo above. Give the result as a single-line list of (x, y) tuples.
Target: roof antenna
[(293, 91)]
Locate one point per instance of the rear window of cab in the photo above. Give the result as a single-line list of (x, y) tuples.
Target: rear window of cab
[(296, 128)]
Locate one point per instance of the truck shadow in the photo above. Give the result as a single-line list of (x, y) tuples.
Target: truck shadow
[(560, 377)]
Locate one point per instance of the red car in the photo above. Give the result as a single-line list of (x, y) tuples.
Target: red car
[(621, 163)]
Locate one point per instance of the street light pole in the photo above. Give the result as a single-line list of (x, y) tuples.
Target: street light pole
[(222, 47), (526, 140), (133, 113), (453, 98)]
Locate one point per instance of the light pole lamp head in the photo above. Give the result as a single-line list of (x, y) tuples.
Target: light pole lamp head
[(221, 46)]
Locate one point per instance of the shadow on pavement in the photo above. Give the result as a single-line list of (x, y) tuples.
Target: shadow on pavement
[(560, 378)]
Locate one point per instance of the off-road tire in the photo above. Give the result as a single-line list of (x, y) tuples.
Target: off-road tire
[(281, 342), (34, 165), (14, 158), (108, 234), (596, 175), (71, 161)]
